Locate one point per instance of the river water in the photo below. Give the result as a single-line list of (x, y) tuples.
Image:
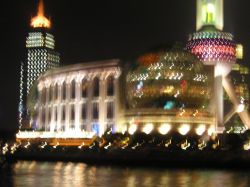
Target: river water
[(67, 174)]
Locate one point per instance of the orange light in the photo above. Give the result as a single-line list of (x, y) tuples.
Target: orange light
[(40, 20)]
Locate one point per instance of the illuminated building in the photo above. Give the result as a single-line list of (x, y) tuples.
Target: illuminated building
[(171, 87), (41, 56), (164, 90), (171, 91), (216, 48), (79, 99)]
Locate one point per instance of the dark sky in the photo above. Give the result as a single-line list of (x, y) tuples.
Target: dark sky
[(88, 30)]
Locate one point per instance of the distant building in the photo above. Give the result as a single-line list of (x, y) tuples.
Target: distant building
[(41, 56)]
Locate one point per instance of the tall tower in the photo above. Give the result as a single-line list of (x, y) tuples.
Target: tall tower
[(40, 46), (41, 56), (217, 48)]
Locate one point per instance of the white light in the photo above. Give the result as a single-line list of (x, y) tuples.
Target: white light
[(132, 129), (240, 108), (200, 130), (184, 129), (66, 134), (148, 128), (164, 128), (210, 131), (210, 7)]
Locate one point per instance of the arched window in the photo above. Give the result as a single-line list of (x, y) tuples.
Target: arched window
[(110, 86), (96, 87), (64, 89), (84, 88), (73, 89)]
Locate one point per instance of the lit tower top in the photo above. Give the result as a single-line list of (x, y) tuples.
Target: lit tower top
[(213, 47), (40, 20), (209, 12)]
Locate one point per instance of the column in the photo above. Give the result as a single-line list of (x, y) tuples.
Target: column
[(218, 98), (116, 103), (102, 106)]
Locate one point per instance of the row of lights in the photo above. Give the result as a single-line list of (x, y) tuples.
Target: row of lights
[(165, 128)]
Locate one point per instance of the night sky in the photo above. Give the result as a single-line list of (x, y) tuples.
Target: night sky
[(96, 30)]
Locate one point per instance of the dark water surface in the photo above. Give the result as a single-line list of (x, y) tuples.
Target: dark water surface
[(67, 174)]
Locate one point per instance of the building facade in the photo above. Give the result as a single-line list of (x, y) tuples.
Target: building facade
[(79, 98)]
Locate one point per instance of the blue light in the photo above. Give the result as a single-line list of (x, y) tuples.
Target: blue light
[(95, 128), (169, 105)]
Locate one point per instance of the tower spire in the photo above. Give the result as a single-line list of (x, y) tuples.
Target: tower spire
[(209, 13), (40, 8), (40, 21)]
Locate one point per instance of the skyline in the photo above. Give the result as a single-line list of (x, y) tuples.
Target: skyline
[(92, 32)]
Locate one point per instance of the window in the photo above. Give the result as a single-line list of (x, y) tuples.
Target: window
[(64, 90), (63, 113), (84, 111), (50, 114), (73, 89), (72, 113), (83, 127), (55, 110), (96, 87), (43, 116), (56, 95), (43, 96), (110, 86), (95, 111), (110, 110), (50, 93), (84, 88)]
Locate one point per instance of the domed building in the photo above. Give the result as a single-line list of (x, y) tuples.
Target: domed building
[(168, 87)]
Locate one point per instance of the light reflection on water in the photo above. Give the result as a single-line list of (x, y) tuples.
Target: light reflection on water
[(67, 174)]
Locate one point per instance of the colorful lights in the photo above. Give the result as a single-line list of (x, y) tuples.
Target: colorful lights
[(212, 47), (176, 76)]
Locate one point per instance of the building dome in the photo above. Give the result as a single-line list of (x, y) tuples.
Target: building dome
[(212, 46), (176, 79)]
